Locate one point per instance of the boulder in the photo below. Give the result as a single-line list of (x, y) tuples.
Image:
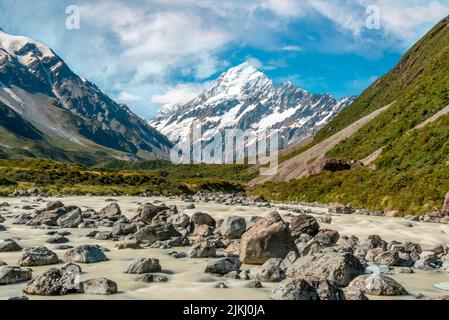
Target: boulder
[(327, 290), (85, 254), (9, 246), (2, 228), (54, 282), (352, 293), (179, 221), (112, 212), (200, 218), (11, 275), (101, 286), (327, 237), (295, 289), (233, 227), (23, 218), (202, 249), (377, 285), (304, 223), (123, 229), (71, 219), (204, 230), (53, 205), (38, 256), (150, 278), (268, 238), (156, 232), (144, 265), (57, 239), (224, 265), (338, 267), (388, 258), (339, 208), (270, 271)]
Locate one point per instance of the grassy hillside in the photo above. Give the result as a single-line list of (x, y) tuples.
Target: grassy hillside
[(412, 173)]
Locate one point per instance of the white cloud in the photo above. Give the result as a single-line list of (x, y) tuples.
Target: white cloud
[(181, 93), (292, 48), (127, 97)]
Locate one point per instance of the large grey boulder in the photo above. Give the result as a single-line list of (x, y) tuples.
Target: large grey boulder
[(224, 265), (144, 265), (233, 227), (377, 285), (270, 271), (53, 205), (269, 238), (112, 211), (11, 275), (54, 282), (200, 218), (85, 254), (123, 229), (338, 267), (38, 256), (156, 232), (295, 289), (304, 223), (71, 219), (101, 286), (202, 249), (9, 246)]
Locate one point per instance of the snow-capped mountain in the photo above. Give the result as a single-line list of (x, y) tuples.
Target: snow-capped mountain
[(74, 118), (245, 98)]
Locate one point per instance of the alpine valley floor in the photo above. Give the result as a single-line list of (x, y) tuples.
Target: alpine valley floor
[(186, 276)]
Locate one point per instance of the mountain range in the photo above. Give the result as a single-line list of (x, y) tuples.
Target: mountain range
[(245, 98), (48, 111)]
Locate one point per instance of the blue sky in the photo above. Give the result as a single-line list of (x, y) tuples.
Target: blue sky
[(149, 52)]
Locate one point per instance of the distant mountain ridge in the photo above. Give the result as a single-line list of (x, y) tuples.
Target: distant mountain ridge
[(76, 121), (245, 98)]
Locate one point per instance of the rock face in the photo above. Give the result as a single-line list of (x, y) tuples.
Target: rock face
[(268, 238), (11, 275), (38, 256), (54, 282), (378, 285), (224, 265), (9, 246), (304, 223), (295, 289), (338, 267), (143, 265), (157, 232), (233, 227), (85, 254), (100, 286)]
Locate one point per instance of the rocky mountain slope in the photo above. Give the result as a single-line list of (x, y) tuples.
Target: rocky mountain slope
[(245, 98), (406, 145), (70, 118)]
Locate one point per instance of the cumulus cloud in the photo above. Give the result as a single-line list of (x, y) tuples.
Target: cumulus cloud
[(180, 93), (127, 97)]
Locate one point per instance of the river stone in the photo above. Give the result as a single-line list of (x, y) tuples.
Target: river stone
[(304, 223), (38, 256), (327, 237), (54, 282), (11, 275), (3, 263), (9, 246), (85, 254), (269, 238), (143, 265), (158, 232), (71, 219), (112, 211), (327, 290), (23, 218), (339, 208), (338, 267), (200, 218), (53, 205), (388, 258), (101, 286), (295, 289), (179, 221), (270, 271), (123, 229), (352, 293), (149, 278), (233, 227), (378, 285), (57, 239), (2, 228), (202, 249), (224, 265)]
